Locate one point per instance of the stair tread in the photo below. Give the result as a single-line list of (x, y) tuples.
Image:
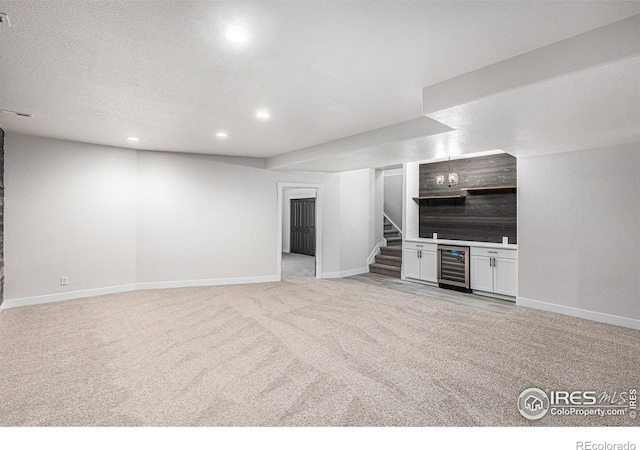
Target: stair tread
[(388, 271), (391, 253), (399, 258), (386, 267)]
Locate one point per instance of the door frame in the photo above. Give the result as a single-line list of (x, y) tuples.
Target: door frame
[(319, 198)]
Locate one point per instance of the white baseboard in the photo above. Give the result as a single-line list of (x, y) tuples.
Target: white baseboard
[(374, 252), (346, 273), (51, 298), (38, 300), (206, 282), (580, 313)]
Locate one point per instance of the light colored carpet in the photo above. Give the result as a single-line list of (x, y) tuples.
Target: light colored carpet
[(305, 352), (295, 265)]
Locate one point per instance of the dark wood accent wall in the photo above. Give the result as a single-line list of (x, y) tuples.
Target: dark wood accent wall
[(1, 216), (484, 216)]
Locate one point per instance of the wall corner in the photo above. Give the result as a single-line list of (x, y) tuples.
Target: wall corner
[(1, 216)]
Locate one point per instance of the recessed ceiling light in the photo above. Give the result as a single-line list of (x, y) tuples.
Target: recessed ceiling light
[(263, 114), (236, 34), (133, 138), (222, 134)]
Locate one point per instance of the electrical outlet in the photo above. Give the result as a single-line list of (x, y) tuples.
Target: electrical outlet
[(64, 281), (4, 20)]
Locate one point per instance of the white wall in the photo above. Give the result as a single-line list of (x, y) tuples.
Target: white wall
[(579, 233), (70, 210), (393, 195), (289, 194), (116, 219), (377, 199), (411, 210), (358, 228), (331, 229), (199, 219)]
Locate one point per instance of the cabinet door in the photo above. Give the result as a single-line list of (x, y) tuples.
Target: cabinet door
[(411, 264), (505, 277), (428, 266), (481, 273)]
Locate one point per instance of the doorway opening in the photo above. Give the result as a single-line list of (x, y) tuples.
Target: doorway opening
[(299, 233), (302, 225), (299, 230)]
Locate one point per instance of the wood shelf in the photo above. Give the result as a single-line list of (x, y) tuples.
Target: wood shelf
[(438, 197), (489, 188)]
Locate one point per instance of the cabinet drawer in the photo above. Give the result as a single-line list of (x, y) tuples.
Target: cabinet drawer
[(409, 245), (494, 252)]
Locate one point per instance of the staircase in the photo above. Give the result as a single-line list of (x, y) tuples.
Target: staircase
[(389, 261)]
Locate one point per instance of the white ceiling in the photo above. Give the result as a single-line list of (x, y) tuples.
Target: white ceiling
[(163, 71), (595, 108)]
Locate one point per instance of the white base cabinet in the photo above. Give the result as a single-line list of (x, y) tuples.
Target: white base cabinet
[(494, 271), (481, 273), (419, 262)]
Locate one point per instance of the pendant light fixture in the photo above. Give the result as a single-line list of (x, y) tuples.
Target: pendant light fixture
[(452, 178)]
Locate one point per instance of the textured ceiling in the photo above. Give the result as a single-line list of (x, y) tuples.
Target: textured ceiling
[(578, 93), (163, 71), (594, 108)]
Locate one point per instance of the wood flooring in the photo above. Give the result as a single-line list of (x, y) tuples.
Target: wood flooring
[(478, 302)]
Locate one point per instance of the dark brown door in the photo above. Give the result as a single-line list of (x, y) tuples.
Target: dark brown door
[(303, 226)]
